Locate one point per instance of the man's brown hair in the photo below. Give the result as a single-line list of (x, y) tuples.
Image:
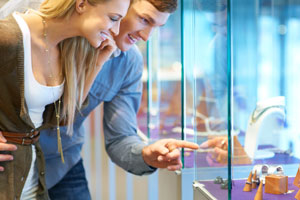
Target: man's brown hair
[(164, 5)]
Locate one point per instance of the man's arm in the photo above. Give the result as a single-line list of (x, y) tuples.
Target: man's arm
[(120, 124), (123, 145)]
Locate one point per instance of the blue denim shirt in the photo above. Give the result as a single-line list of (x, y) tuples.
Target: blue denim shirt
[(119, 86)]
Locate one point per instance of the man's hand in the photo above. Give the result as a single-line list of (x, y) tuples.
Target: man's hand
[(165, 153), (220, 142), (220, 150), (5, 147)]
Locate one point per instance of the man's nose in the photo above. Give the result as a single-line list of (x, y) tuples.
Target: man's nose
[(146, 33)]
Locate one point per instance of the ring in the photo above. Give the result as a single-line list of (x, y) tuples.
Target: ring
[(223, 142)]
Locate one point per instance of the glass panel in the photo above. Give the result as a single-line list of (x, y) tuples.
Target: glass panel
[(142, 117), (164, 75), (265, 42), (205, 56)]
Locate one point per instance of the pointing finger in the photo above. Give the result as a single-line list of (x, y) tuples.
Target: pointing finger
[(181, 144)]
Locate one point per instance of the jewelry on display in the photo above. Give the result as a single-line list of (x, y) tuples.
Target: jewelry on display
[(248, 184), (224, 185), (255, 180), (218, 180), (262, 170), (57, 107)]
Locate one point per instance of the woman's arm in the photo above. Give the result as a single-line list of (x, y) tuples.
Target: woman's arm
[(106, 48)]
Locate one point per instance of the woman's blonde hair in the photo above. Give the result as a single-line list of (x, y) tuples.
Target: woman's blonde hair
[(78, 58)]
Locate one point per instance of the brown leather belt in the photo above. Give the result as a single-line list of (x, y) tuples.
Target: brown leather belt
[(22, 138)]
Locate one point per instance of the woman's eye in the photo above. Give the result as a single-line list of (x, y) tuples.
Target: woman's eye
[(114, 19)]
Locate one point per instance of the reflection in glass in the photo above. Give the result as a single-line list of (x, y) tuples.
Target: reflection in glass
[(164, 87)]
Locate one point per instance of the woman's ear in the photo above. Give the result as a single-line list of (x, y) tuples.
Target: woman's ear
[(81, 6)]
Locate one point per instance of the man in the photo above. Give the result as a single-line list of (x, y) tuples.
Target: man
[(119, 86)]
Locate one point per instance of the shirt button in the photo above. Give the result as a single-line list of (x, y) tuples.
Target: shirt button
[(42, 173)]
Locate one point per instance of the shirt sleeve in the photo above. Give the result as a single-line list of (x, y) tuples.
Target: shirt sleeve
[(122, 143)]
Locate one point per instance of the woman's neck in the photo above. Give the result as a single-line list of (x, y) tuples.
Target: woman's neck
[(57, 29)]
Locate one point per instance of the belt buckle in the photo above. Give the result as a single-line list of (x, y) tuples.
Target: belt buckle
[(32, 136)]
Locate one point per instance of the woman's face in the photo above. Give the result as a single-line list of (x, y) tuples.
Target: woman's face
[(96, 22)]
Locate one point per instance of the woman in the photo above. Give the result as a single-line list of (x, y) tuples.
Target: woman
[(48, 61)]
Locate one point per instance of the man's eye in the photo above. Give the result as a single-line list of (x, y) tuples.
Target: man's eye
[(144, 20)]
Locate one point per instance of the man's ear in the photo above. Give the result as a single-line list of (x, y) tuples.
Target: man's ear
[(81, 6)]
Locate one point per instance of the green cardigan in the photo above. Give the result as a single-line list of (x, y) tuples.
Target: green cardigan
[(14, 114)]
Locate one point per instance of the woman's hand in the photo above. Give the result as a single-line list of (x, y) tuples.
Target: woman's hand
[(5, 147), (106, 48)]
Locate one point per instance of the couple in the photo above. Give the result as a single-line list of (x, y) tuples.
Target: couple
[(52, 64)]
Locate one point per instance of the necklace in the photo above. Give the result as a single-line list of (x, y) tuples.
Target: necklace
[(47, 50), (56, 107)]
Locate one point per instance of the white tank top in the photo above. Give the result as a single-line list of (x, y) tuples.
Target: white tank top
[(37, 96)]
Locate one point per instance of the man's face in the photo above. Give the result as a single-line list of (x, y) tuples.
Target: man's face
[(142, 17)]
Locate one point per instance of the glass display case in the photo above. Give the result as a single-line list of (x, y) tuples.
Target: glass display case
[(160, 115), (164, 80), (207, 92), (244, 66), (223, 73)]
